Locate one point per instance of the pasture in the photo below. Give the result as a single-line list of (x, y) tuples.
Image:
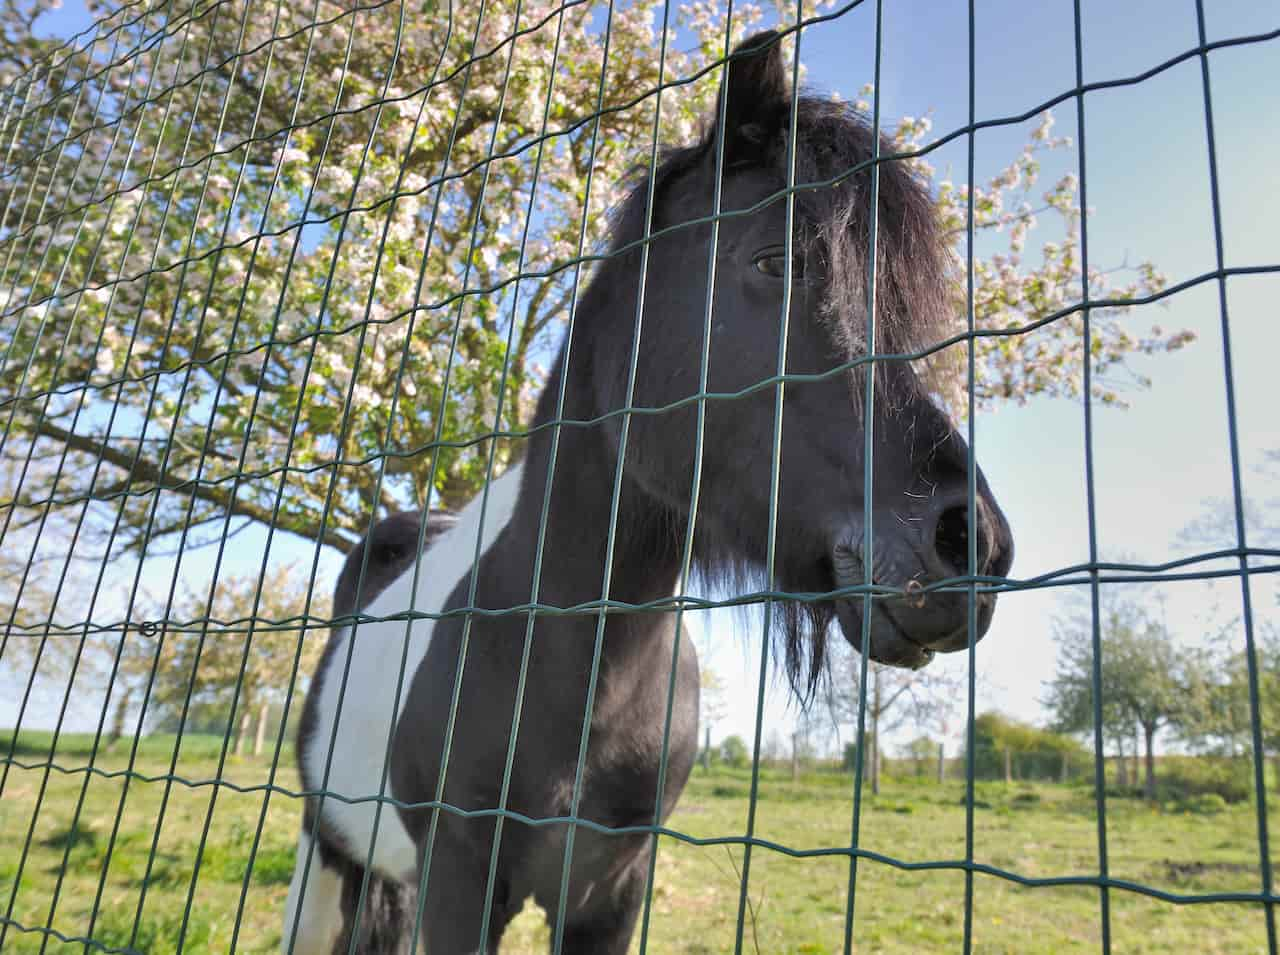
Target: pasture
[(797, 904)]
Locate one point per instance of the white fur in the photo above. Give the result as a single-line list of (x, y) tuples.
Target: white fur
[(367, 719), (321, 906)]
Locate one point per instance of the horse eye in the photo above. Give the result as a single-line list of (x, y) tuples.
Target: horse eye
[(771, 262)]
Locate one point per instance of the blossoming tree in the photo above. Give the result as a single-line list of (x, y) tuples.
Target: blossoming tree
[(292, 262)]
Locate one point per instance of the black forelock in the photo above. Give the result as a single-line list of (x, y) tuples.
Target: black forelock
[(913, 308)]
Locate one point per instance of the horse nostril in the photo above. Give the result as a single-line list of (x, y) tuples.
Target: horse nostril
[(951, 540)]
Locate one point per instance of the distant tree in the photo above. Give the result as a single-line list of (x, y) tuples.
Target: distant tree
[(714, 704), (774, 749), (1004, 747), (1261, 514), (734, 752), (1219, 716), (1145, 678), (895, 698), (921, 751), (217, 658)]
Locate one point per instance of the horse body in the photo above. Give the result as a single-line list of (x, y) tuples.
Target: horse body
[(626, 742), (450, 730)]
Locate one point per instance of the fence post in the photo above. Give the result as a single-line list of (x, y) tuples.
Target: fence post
[(942, 764), (243, 735), (260, 739)]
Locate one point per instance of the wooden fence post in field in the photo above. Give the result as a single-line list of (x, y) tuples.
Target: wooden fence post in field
[(260, 739), (246, 719)]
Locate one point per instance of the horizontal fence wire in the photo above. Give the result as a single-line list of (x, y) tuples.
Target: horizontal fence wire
[(177, 94)]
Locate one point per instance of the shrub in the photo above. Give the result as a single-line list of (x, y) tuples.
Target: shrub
[(734, 752), (1205, 804), (1182, 778)]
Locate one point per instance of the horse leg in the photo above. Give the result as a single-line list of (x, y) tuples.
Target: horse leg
[(605, 923), (312, 914), (454, 908), (321, 915)]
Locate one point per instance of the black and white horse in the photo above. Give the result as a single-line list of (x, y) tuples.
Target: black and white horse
[(919, 506)]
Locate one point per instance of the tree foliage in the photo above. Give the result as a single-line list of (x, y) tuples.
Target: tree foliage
[(1146, 679), (734, 752), (259, 257), (221, 656), (1032, 752), (1219, 709)]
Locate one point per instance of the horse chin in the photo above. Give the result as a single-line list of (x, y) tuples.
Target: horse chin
[(888, 643)]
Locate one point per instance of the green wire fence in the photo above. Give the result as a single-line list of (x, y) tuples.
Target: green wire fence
[(275, 266)]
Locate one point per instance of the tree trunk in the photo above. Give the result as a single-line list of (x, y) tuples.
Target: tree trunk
[(246, 721), (264, 712), (1149, 731), (118, 718), (1008, 765), (795, 757), (942, 761), (1122, 765), (1062, 772), (875, 763), (706, 751)]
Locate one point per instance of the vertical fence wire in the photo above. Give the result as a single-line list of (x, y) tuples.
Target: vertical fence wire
[(1099, 764), (659, 794), (526, 650), (291, 684), (868, 480), (1237, 496), (971, 478), (775, 451)]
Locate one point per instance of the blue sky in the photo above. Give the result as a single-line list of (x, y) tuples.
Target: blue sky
[(1159, 462)]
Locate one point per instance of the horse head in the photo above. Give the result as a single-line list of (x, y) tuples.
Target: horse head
[(722, 280)]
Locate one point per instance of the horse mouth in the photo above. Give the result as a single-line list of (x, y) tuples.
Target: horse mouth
[(906, 631), (888, 642)]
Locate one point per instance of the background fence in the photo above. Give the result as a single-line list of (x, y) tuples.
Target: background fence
[(269, 267)]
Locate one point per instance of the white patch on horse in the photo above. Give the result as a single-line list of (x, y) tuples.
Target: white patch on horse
[(318, 913), (367, 719)]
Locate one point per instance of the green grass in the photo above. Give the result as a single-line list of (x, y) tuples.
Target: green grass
[(797, 905)]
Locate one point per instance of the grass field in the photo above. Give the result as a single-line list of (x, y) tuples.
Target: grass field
[(797, 905)]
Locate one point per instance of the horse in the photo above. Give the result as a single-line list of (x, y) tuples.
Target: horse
[(468, 838)]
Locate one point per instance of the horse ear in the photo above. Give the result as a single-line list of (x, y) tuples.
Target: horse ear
[(756, 96)]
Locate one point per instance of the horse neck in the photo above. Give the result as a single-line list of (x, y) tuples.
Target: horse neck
[(645, 562), (645, 552)]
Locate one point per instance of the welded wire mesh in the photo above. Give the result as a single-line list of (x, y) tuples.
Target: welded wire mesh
[(274, 267)]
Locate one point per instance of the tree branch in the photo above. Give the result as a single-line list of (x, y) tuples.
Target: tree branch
[(141, 471)]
